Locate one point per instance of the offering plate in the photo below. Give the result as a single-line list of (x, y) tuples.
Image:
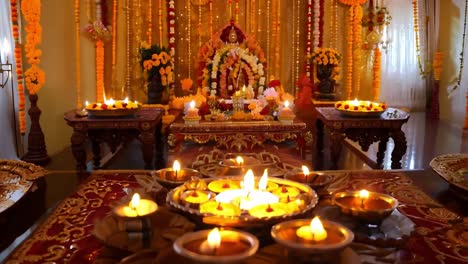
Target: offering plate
[(307, 197)]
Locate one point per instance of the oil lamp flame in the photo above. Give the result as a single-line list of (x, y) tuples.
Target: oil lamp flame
[(176, 167), (192, 104), (239, 160), (305, 170), (126, 100), (263, 183), (286, 104), (109, 102), (364, 194), (355, 102), (318, 232), (249, 181), (135, 201), (214, 238)]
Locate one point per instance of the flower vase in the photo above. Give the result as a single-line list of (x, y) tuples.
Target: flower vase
[(326, 84), (157, 93)]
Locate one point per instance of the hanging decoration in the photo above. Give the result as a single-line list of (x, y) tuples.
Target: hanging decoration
[(437, 68), (268, 25), (316, 24), (211, 17), (354, 45), (376, 74), (97, 32), (189, 39), (34, 76), (19, 65), (321, 12), (171, 15), (308, 47), (333, 24), (77, 55), (160, 27), (114, 46), (278, 40), (149, 28), (236, 10), (416, 37)]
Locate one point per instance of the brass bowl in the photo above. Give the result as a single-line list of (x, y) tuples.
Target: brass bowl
[(169, 179), (285, 234), (318, 181), (174, 200), (113, 112), (181, 246), (373, 215)]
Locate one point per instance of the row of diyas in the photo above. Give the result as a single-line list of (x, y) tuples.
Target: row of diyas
[(111, 104)]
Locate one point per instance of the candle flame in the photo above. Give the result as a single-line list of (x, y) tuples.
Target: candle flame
[(109, 102), (318, 232), (249, 181), (355, 102), (192, 104), (176, 166), (263, 183), (126, 100), (214, 238), (239, 160), (243, 88), (286, 104), (135, 201), (86, 103), (305, 170), (364, 194)]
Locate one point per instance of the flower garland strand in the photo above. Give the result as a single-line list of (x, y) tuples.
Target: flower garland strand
[(316, 24), (357, 30), (114, 46), (437, 67), (171, 15), (236, 11), (308, 48), (278, 40), (189, 38), (349, 74), (160, 22), (321, 22), (149, 28), (416, 36), (77, 55), (19, 65), (460, 65), (211, 17), (34, 76), (376, 74), (268, 20)]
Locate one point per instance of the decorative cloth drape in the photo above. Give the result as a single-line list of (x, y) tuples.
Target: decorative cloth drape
[(402, 84)]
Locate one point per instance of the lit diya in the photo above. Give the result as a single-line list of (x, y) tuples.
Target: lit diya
[(193, 198), (175, 176), (248, 196), (136, 208), (240, 162), (371, 207), (224, 185), (315, 180), (112, 107), (216, 246), (360, 108), (312, 236)]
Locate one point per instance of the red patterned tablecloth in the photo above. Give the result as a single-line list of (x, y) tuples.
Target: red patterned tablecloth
[(65, 236)]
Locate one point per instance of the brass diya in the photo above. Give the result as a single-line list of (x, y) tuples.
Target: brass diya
[(371, 208), (233, 246), (175, 176), (221, 212), (337, 237), (316, 180)]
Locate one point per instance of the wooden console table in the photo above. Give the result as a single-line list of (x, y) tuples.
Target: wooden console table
[(364, 130), (239, 135), (144, 125)]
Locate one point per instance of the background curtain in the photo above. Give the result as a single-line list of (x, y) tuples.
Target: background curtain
[(402, 84), (9, 143)]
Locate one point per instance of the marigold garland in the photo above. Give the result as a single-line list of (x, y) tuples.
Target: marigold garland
[(376, 74), (34, 76), (357, 30), (437, 65), (19, 65), (416, 36), (349, 75)]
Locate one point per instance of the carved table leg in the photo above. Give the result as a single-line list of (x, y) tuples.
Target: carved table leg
[(78, 139), (159, 146), (400, 148), (382, 149), (96, 146), (336, 143), (147, 146)]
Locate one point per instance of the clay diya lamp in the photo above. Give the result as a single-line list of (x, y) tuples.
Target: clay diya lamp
[(269, 210), (175, 176), (314, 236), (316, 180), (216, 246), (238, 166), (137, 208), (222, 185), (370, 207), (193, 198), (221, 209)]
